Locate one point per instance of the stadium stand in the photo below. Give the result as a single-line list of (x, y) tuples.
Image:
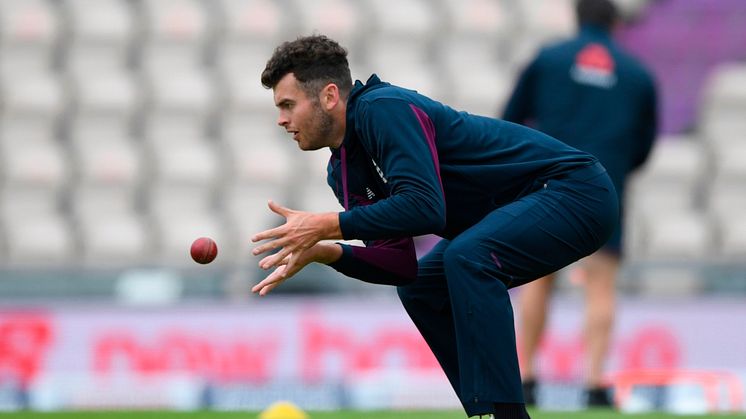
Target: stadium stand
[(724, 104), (112, 232), (723, 127), (339, 19), (177, 33), (29, 36), (100, 35), (669, 184), (400, 44), (129, 127)]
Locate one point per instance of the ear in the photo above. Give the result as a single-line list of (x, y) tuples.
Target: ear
[(329, 96)]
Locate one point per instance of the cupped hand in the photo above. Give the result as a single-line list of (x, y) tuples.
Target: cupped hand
[(321, 252), (300, 232)]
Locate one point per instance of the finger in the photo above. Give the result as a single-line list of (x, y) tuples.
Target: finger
[(268, 234), (292, 267), (292, 271), (272, 278), (260, 289), (272, 281), (278, 209), (275, 259), (268, 288), (269, 246), (266, 260)]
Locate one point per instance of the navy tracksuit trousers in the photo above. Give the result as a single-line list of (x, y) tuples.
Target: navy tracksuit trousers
[(460, 301)]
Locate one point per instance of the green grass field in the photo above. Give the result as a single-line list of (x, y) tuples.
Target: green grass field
[(590, 414)]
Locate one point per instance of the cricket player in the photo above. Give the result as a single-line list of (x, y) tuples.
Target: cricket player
[(510, 203)]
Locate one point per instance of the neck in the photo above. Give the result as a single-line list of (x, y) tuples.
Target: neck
[(598, 29), (340, 125)]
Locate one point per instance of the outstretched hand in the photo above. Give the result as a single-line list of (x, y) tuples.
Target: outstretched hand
[(271, 281), (295, 235), (301, 231)]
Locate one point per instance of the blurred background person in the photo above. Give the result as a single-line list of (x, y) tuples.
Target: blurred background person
[(588, 92)]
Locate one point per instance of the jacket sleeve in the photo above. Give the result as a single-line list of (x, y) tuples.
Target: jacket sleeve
[(401, 140), (519, 108), (648, 125), (386, 262)]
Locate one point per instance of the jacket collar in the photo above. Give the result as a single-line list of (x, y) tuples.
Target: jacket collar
[(595, 31), (358, 89)]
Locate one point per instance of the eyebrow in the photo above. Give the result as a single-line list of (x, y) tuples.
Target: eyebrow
[(284, 102)]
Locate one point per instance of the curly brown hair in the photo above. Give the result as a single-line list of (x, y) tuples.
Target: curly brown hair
[(314, 60)]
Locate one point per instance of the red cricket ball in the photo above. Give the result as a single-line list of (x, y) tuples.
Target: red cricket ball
[(204, 250)]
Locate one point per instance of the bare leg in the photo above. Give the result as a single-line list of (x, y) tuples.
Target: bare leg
[(534, 302), (601, 270)]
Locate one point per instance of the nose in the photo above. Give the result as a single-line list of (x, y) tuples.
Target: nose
[(282, 120)]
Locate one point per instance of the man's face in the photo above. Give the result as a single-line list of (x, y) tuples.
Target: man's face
[(302, 116)]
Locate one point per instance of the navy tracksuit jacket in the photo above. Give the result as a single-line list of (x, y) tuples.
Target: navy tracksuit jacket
[(512, 204)]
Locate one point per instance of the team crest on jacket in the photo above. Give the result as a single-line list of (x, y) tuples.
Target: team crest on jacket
[(594, 66)]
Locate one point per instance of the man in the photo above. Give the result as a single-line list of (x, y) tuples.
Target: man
[(510, 203), (590, 94)]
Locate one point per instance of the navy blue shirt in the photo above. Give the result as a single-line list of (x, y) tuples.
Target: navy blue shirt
[(410, 166), (590, 94)]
